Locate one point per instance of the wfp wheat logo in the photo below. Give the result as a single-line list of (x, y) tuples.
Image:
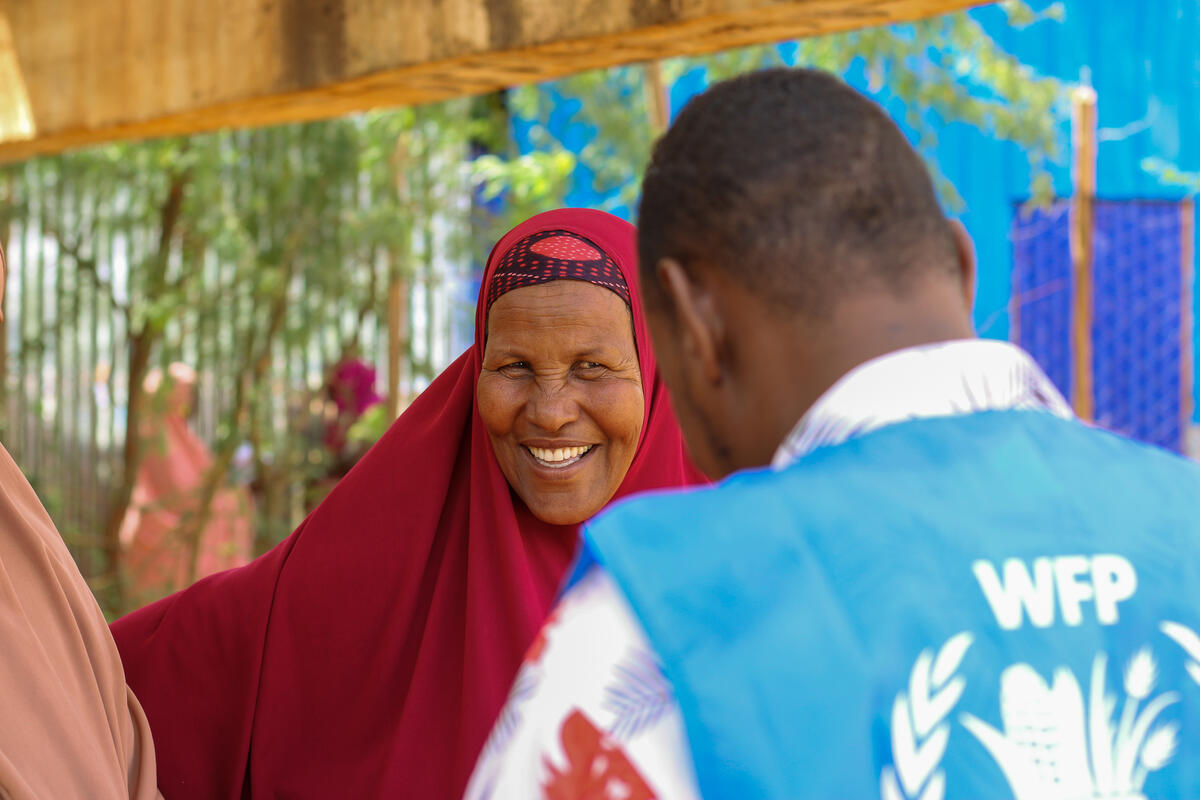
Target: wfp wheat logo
[(1058, 737)]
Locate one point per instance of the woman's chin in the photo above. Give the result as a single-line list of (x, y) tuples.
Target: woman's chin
[(565, 513), (561, 517)]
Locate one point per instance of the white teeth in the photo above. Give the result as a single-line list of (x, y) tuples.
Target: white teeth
[(559, 456)]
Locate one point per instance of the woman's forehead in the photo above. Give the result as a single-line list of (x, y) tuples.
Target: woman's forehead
[(560, 313)]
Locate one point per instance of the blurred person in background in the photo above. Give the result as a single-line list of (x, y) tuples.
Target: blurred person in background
[(163, 549), (351, 388)]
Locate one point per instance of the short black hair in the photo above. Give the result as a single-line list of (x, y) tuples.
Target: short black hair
[(796, 185)]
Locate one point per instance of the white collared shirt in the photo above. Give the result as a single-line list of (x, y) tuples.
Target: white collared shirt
[(590, 713)]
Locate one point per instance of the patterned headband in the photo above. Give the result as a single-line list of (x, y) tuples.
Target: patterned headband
[(552, 256)]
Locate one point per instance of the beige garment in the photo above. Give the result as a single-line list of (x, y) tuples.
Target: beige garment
[(69, 726)]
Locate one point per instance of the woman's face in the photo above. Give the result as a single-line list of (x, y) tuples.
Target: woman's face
[(561, 396)]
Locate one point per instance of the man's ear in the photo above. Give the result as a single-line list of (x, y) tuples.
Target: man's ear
[(966, 261), (700, 325)]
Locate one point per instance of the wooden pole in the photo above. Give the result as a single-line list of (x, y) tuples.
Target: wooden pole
[(1083, 141), (658, 101), (397, 341), (398, 291)]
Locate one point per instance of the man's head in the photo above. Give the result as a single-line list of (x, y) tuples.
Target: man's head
[(787, 233)]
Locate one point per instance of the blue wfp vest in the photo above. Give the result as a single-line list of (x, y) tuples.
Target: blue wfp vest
[(1002, 604)]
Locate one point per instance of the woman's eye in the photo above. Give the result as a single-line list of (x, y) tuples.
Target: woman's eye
[(515, 366), (590, 367)]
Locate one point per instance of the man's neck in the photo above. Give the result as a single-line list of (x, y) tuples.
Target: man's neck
[(786, 365)]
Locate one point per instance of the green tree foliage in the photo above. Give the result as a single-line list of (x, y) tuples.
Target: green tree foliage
[(944, 69), (259, 257), (1169, 174)]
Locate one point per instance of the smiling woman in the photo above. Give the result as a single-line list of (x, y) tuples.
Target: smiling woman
[(369, 653), (561, 396)]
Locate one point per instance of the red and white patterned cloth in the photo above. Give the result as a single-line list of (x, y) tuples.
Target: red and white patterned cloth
[(590, 716)]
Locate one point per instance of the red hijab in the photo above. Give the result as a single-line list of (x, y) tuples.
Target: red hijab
[(369, 653)]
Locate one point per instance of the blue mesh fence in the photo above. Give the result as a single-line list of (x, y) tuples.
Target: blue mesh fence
[(1140, 325), (1041, 298)]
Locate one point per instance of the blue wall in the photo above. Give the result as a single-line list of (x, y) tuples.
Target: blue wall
[(1143, 58)]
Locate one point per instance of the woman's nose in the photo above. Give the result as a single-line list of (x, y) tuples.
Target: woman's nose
[(553, 406)]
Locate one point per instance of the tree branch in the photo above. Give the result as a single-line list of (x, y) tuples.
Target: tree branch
[(257, 362), (141, 346), (88, 265)]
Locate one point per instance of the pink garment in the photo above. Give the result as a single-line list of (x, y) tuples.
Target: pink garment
[(156, 558), (352, 388)]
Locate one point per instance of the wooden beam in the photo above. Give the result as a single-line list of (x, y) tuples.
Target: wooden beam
[(77, 72)]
